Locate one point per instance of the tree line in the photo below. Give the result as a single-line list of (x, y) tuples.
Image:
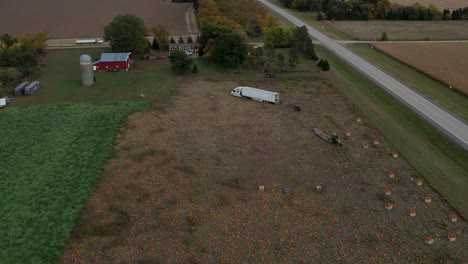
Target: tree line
[(373, 9), (19, 57)]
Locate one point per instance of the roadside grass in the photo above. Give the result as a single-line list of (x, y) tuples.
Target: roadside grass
[(311, 19), (437, 159), (51, 157), (60, 81), (434, 90)]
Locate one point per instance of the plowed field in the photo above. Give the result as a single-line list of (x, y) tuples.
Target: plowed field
[(450, 4), (87, 18), (183, 187)]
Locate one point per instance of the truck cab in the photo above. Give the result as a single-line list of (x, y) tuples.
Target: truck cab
[(237, 92)]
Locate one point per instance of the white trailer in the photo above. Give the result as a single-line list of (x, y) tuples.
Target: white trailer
[(256, 94), (4, 101), (88, 41)]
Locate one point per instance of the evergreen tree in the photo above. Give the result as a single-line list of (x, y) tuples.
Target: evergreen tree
[(172, 40), (280, 60), (198, 39), (195, 69), (384, 37), (325, 66), (189, 40), (181, 40)]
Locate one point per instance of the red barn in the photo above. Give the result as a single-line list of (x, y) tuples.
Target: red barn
[(113, 62)]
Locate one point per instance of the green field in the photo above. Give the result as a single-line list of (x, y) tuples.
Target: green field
[(440, 161), (434, 90), (60, 81), (51, 158)]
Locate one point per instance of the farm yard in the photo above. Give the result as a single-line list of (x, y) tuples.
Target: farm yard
[(441, 5), (446, 62), (403, 30), (183, 186), (87, 18)]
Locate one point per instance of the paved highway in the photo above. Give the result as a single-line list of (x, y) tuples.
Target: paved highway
[(453, 127)]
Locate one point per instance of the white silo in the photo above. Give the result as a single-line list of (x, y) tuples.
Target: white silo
[(87, 74)]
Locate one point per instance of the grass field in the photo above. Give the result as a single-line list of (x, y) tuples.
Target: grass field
[(60, 81), (438, 92), (403, 30), (50, 160), (446, 62), (441, 162)]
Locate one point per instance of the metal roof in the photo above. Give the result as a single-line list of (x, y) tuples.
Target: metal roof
[(115, 56)]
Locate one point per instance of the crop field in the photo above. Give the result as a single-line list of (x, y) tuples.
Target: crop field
[(446, 62), (403, 30), (183, 185), (450, 4), (87, 18), (51, 158)]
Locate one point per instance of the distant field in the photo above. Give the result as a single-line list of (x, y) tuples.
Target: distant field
[(450, 4), (447, 62), (403, 30), (87, 18)]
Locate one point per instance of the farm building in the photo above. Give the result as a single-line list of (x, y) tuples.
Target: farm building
[(193, 47), (113, 62)]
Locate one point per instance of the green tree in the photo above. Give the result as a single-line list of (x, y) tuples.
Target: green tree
[(384, 37), (280, 60), (172, 40), (181, 40), (208, 34), (189, 39), (271, 56), (195, 68), (180, 61), (126, 33), (7, 40), (155, 44), (229, 49), (279, 37), (293, 59), (161, 34), (303, 44)]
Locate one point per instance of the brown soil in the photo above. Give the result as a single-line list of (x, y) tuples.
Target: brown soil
[(441, 5), (183, 187), (87, 18), (446, 62)]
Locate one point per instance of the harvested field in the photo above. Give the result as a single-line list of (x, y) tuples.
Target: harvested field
[(441, 5), (87, 18), (183, 187), (403, 30), (446, 62)]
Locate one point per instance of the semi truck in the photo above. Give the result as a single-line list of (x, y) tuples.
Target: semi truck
[(88, 41), (256, 94)]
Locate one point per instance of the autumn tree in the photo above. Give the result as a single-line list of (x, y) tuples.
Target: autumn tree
[(230, 50), (126, 33), (7, 40), (161, 34)]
